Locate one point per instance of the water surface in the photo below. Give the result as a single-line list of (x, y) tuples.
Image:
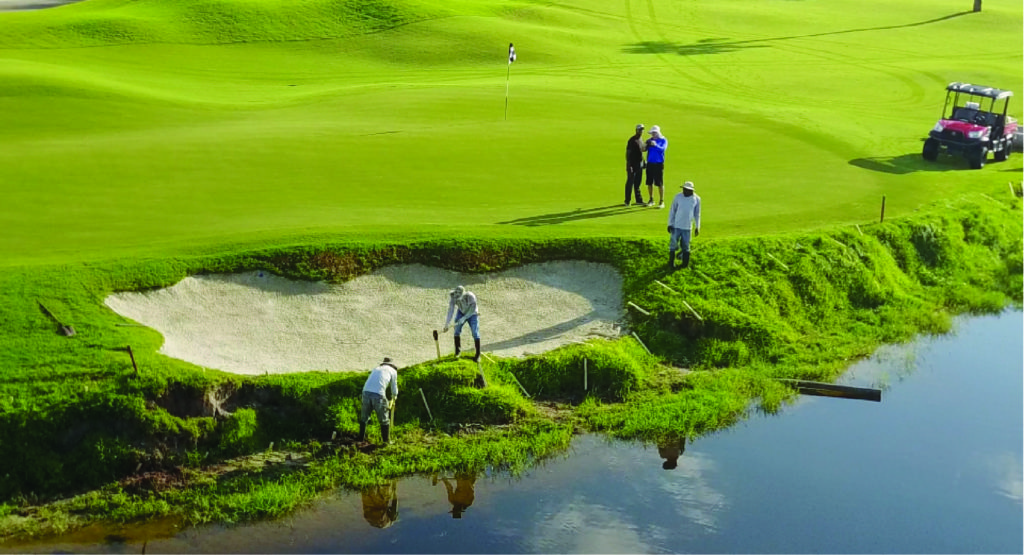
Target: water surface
[(934, 468)]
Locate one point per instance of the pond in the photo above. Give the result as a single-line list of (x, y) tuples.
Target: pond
[(935, 467)]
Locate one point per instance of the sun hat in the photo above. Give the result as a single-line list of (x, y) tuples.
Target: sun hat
[(688, 185), (458, 291), (387, 360), (655, 129)]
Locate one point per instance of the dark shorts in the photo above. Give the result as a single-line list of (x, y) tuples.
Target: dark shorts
[(655, 173)]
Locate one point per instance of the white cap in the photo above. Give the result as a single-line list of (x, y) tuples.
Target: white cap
[(458, 291), (655, 129), (639, 126)]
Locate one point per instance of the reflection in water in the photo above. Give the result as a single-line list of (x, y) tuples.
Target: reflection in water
[(671, 449), (461, 496), (807, 481), (380, 504)]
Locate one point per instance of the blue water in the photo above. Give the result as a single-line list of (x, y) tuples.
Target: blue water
[(936, 467)]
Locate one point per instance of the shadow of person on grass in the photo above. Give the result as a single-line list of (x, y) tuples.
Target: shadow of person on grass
[(578, 214)]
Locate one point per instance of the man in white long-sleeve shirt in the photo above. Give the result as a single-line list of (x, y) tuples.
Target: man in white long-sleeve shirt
[(379, 394), (685, 212), (463, 304)]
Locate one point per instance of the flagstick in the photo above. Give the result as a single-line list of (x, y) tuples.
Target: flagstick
[(507, 73)]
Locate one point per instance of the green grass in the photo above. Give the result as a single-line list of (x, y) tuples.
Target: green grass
[(154, 127), (149, 140)]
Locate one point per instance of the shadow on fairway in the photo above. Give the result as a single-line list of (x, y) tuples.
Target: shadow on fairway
[(578, 214), (718, 46), (909, 163), (703, 46)]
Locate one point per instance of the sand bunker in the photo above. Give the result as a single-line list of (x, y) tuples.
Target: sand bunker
[(257, 322)]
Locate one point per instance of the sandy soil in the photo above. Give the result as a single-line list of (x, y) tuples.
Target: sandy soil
[(257, 322)]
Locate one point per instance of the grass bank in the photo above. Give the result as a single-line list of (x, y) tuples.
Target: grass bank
[(87, 438)]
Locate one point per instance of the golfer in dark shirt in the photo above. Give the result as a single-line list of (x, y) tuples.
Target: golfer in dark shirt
[(635, 165)]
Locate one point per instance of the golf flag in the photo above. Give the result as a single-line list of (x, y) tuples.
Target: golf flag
[(508, 71)]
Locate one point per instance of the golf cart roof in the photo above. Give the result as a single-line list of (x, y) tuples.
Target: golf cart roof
[(979, 90)]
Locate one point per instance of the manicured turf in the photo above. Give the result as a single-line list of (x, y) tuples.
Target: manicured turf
[(154, 127)]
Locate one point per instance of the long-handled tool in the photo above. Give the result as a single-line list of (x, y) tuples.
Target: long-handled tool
[(437, 344), (66, 330)]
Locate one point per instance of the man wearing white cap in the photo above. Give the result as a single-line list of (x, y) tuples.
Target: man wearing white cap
[(685, 212), (656, 147), (635, 165), (463, 303)]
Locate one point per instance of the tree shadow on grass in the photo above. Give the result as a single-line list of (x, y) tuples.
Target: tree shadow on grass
[(909, 163), (578, 214), (719, 46)]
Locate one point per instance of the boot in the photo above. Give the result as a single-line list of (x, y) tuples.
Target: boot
[(458, 346), (362, 431), (686, 259), (476, 343), (671, 260), (385, 433)]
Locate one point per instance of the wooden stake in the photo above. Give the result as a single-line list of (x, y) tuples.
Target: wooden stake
[(480, 374), (692, 311), (520, 385), (882, 219), (640, 310), (584, 374), (426, 405), (666, 287), (132, 355), (437, 344), (858, 229), (777, 260), (1013, 192), (488, 358), (637, 337)]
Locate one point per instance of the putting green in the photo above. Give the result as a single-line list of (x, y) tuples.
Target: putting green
[(155, 127)]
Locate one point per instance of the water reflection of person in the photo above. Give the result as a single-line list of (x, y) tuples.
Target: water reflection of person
[(380, 504), (461, 497), (671, 449)]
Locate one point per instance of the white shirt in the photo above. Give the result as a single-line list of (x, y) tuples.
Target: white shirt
[(466, 304), (685, 209), (381, 378)]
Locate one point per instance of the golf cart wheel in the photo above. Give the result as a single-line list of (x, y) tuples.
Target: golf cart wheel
[(977, 157), (931, 150), (1002, 154)]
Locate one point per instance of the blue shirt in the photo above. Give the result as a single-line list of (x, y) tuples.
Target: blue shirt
[(656, 150)]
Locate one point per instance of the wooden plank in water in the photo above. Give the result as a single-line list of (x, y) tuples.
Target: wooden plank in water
[(822, 389)]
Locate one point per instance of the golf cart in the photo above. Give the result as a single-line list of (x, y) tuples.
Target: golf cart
[(970, 129)]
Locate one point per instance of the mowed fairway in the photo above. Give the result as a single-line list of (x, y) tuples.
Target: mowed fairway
[(155, 127)]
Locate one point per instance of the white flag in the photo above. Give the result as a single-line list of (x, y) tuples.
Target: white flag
[(511, 53)]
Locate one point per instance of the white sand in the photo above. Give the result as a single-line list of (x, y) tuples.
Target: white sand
[(258, 322)]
